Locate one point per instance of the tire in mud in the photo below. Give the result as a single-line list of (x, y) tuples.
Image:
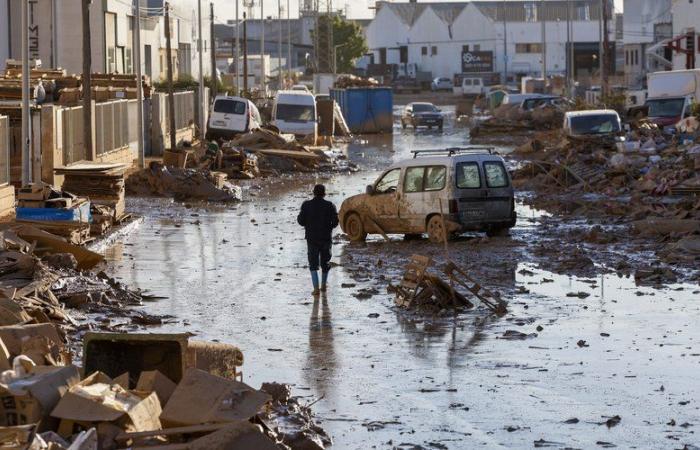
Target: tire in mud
[(354, 228), (435, 229)]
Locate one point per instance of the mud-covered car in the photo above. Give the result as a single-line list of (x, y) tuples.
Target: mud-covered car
[(436, 192), (421, 114)]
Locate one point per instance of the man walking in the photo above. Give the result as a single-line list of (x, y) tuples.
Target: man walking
[(318, 217)]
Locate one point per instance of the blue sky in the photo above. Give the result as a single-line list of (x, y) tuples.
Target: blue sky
[(357, 9)]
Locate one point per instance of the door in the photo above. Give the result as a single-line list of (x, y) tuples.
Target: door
[(383, 203), (499, 192), (470, 193), (421, 196)]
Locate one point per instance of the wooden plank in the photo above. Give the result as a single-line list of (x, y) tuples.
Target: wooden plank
[(376, 225), (294, 154), (207, 428)]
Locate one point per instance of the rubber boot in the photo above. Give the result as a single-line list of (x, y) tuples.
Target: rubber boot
[(314, 280), (324, 281)]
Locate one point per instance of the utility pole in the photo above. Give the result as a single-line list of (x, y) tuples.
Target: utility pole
[(139, 85), (505, 46), (289, 44), (605, 60), (544, 42), (200, 91), (245, 54), (237, 53), (572, 54), (279, 45), (169, 66), (26, 115), (87, 81), (263, 86), (214, 75)]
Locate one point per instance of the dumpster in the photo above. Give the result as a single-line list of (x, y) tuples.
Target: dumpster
[(366, 109)]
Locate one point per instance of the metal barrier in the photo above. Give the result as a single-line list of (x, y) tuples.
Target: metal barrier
[(4, 150), (112, 125), (72, 131)]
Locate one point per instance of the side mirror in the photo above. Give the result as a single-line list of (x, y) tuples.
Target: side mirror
[(369, 190)]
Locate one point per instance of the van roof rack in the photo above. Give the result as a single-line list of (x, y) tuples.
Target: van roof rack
[(472, 149)]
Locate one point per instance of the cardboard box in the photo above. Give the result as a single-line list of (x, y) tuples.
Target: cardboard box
[(204, 398), (154, 381), (31, 399), (98, 399), (40, 342)]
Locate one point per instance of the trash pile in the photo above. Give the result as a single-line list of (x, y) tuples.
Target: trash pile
[(428, 293), (511, 120), (182, 184), (134, 390), (350, 81)]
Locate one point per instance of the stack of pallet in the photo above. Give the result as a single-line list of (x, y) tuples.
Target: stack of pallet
[(103, 184), (54, 211)]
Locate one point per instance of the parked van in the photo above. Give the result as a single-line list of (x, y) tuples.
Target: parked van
[(472, 87), (592, 122), (231, 116), (470, 187), (295, 112)]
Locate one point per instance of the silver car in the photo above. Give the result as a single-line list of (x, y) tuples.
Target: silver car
[(438, 192)]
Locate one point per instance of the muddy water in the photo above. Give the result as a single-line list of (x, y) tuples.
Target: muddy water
[(386, 379)]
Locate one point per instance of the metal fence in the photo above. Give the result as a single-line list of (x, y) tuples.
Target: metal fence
[(4, 150), (113, 125), (72, 132), (184, 109)]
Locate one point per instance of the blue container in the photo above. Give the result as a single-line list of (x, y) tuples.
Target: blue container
[(366, 110), (75, 214)]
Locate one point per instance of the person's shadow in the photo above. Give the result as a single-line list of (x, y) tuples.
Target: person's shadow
[(321, 358)]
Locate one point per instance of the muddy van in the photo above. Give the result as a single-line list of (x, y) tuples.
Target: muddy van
[(469, 186)]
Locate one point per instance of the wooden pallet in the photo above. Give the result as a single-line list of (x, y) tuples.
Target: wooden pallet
[(412, 281), (491, 300)]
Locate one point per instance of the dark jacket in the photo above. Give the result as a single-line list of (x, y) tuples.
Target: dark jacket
[(318, 217)]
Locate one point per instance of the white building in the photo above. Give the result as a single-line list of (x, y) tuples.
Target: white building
[(437, 37), (646, 26), (686, 21), (55, 36)]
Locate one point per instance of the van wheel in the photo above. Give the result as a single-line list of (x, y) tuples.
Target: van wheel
[(354, 228), (436, 229), (495, 232)]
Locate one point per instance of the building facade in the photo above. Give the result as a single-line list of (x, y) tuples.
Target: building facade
[(497, 37), (647, 26), (686, 22), (55, 36)]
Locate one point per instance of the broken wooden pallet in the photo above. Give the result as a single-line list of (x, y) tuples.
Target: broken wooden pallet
[(492, 300), (412, 281)]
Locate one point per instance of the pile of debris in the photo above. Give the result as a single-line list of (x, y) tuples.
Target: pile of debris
[(182, 184), (351, 81), (427, 292), (511, 120)]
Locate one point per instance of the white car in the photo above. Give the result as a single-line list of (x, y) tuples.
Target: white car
[(294, 112), (231, 116), (593, 122), (300, 87), (472, 87), (441, 84)]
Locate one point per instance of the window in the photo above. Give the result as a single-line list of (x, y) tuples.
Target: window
[(467, 82), (583, 12), (388, 182), (530, 12), (477, 47), (229, 107), (528, 48), (496, 176), (419, 179), (295, 113), (468, 175), (465, 48), (111, 42), (424, 51), (433, 50)]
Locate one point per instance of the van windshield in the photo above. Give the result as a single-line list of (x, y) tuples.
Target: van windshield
[(295, 113), (423, 107), (229, 107), (667, 107), (595, 124)]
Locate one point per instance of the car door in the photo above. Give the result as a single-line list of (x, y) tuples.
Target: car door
[(230, 114), (470, 193), (420, 196), (383, 204), (499, 191)]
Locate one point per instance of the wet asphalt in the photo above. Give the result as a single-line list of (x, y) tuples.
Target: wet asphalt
[(384, 378)]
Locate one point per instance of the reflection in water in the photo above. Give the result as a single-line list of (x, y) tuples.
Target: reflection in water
[(321, 357)]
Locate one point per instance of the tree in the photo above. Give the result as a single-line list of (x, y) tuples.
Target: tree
[(354, 43)]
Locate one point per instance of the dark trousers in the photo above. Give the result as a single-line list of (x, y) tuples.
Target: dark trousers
[(319, 255)]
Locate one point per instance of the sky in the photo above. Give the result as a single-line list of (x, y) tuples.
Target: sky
[(355, 9)]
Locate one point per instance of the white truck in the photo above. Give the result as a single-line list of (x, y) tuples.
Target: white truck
[(671, 95)]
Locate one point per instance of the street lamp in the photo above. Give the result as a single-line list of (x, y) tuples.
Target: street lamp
[(335, 59)]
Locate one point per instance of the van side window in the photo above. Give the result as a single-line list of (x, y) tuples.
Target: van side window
[(468, 176), (229, 107), (413, 182), (389, 182), (434, 178), (496, 176)]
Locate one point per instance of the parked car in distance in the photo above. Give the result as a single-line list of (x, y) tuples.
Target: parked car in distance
[(419, 114), (295, 112), (300, 87), (231, 116), (592, 122), (472, 87), (469, 188), (538, 102), (441, 84)]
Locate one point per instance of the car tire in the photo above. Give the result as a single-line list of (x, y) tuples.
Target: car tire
[(354, 228), (435, 229)]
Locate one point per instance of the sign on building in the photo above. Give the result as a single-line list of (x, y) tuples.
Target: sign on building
[(477, 61)]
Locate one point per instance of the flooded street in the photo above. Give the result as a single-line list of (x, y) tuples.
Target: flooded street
[(587, 348)]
